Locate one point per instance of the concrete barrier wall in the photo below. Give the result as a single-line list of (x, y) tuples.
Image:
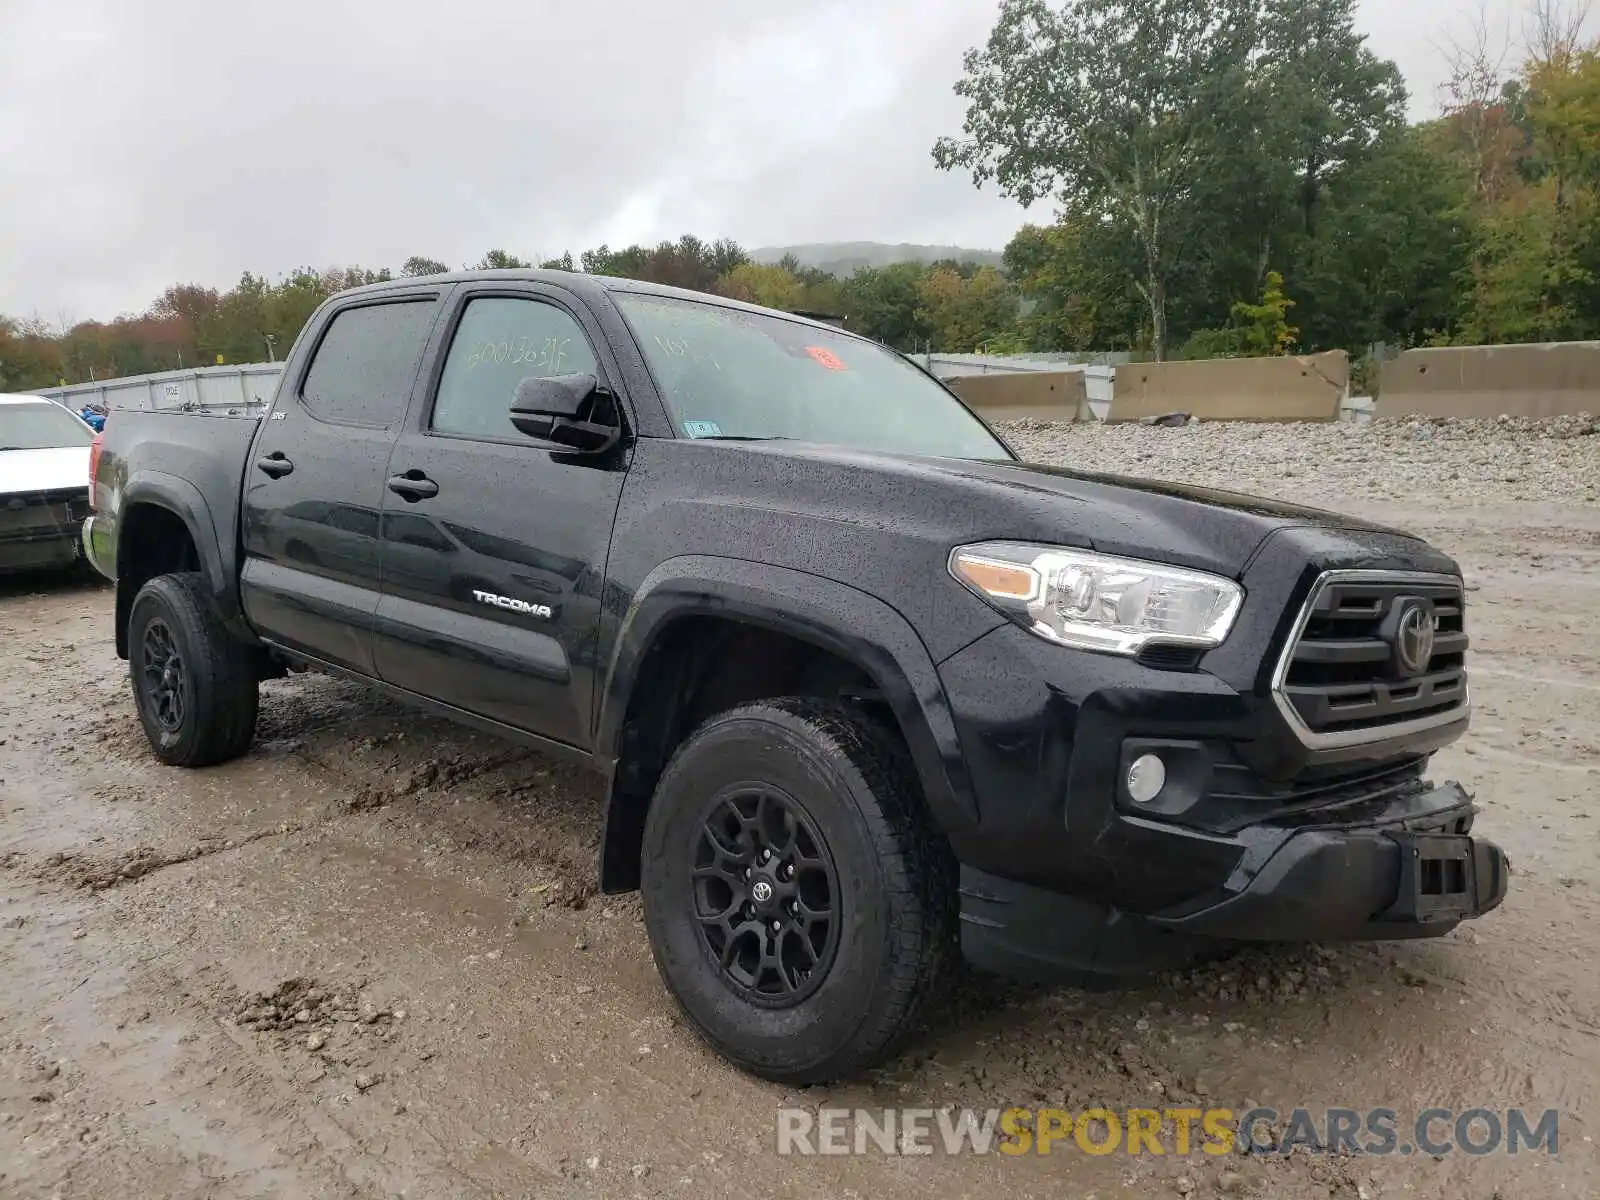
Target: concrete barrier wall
[(1548, 379), (1308, 388), (1046, 395)]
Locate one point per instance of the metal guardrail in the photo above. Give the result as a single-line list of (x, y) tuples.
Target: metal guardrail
[(243, 390)]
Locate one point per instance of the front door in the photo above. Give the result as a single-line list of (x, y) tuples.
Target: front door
[(314, 484), (494, 545)]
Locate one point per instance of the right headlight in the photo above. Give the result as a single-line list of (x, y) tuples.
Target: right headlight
[(1098, 601)]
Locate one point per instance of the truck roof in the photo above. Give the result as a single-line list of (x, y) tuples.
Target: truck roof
[(581, 282), (21, 398)]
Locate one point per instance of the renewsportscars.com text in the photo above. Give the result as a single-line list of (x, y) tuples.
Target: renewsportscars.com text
[(1177, 1131)]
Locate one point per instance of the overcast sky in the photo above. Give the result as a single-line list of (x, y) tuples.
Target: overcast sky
[(146, 142)]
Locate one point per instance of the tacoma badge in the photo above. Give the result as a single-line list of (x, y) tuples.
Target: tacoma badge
[(514, 605)]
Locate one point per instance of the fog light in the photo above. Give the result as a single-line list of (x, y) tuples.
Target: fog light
[(1146, 777)]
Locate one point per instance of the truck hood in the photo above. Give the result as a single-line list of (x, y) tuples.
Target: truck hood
[(970, 500), (24, 472)]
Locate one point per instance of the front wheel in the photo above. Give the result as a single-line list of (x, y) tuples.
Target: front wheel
[(194, 684), (800, 908)]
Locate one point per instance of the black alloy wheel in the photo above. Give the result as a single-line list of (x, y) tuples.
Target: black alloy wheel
[(161, 676), (766, 896)]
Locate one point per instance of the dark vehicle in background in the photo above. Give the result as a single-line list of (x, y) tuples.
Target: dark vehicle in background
[(868, 691), (44, 484)]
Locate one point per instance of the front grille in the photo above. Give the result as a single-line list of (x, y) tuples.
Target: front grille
[(43, 514), (1342, 679)]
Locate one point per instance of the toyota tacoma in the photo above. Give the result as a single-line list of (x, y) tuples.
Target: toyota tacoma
[(870, 693)]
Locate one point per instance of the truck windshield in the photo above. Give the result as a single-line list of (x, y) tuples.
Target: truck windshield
[(731, 373), (41, 426)]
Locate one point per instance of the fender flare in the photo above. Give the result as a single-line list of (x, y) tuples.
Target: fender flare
[(835, 617), (186, 502)]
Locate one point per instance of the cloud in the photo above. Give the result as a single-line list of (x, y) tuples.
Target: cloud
[(189, 140)]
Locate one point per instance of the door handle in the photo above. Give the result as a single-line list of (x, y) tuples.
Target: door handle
[(413, 486), (275, 464)]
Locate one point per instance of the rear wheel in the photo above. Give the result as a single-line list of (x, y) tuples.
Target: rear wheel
[(194, 684), (800, 908)]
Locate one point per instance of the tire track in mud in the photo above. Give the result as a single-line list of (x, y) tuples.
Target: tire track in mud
[(101, 873), (474, 789), (328, 729)]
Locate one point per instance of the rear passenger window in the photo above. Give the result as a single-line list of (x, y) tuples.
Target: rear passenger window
[(499, 343), (363, 371)]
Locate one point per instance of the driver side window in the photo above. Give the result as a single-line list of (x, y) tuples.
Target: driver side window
[(500, 342)]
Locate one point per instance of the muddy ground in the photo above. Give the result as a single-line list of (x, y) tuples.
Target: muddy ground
[(365, 960)]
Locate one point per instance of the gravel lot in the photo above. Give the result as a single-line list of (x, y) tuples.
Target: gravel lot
[(1342, 465), (366, 961)]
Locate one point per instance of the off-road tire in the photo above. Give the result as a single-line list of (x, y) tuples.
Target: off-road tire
[(852, 777), (218, 685)]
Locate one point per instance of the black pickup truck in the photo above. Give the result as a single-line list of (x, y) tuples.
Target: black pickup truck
[(867, 689)]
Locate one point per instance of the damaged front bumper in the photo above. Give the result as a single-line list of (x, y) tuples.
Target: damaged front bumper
[(1410, 878)]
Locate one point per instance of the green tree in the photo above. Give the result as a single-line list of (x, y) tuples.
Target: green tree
[(289, 306), (1529, 280), (1075, 281), (687, 263), (499, 260), (1534, 271), (965, 314), (1254, 330), (771, 285), (235, 330), (1264, 327), (1118, 108), (1317, 105), (1390, 247), (823, 293), (417, 265), (1328, 100), (29, 356), (884, 303)]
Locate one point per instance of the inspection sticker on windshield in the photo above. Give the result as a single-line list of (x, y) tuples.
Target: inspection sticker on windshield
[(827, 358), (699, 429)]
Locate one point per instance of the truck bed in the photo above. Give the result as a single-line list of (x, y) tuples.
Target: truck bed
[(193, 458)]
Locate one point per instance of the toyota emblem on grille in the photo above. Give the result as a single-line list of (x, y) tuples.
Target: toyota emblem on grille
[(1414, 633)]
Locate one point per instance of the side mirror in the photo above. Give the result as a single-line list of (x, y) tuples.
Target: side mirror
[(571, 410)]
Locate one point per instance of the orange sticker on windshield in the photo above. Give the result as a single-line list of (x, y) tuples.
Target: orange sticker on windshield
[(827, 358)]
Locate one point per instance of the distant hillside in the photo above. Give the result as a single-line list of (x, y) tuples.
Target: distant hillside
[(843, 258)]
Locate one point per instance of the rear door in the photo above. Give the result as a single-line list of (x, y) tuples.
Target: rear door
[(494, 545), (314, 482)]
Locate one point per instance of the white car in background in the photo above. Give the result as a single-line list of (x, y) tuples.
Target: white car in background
[(44, 483)]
